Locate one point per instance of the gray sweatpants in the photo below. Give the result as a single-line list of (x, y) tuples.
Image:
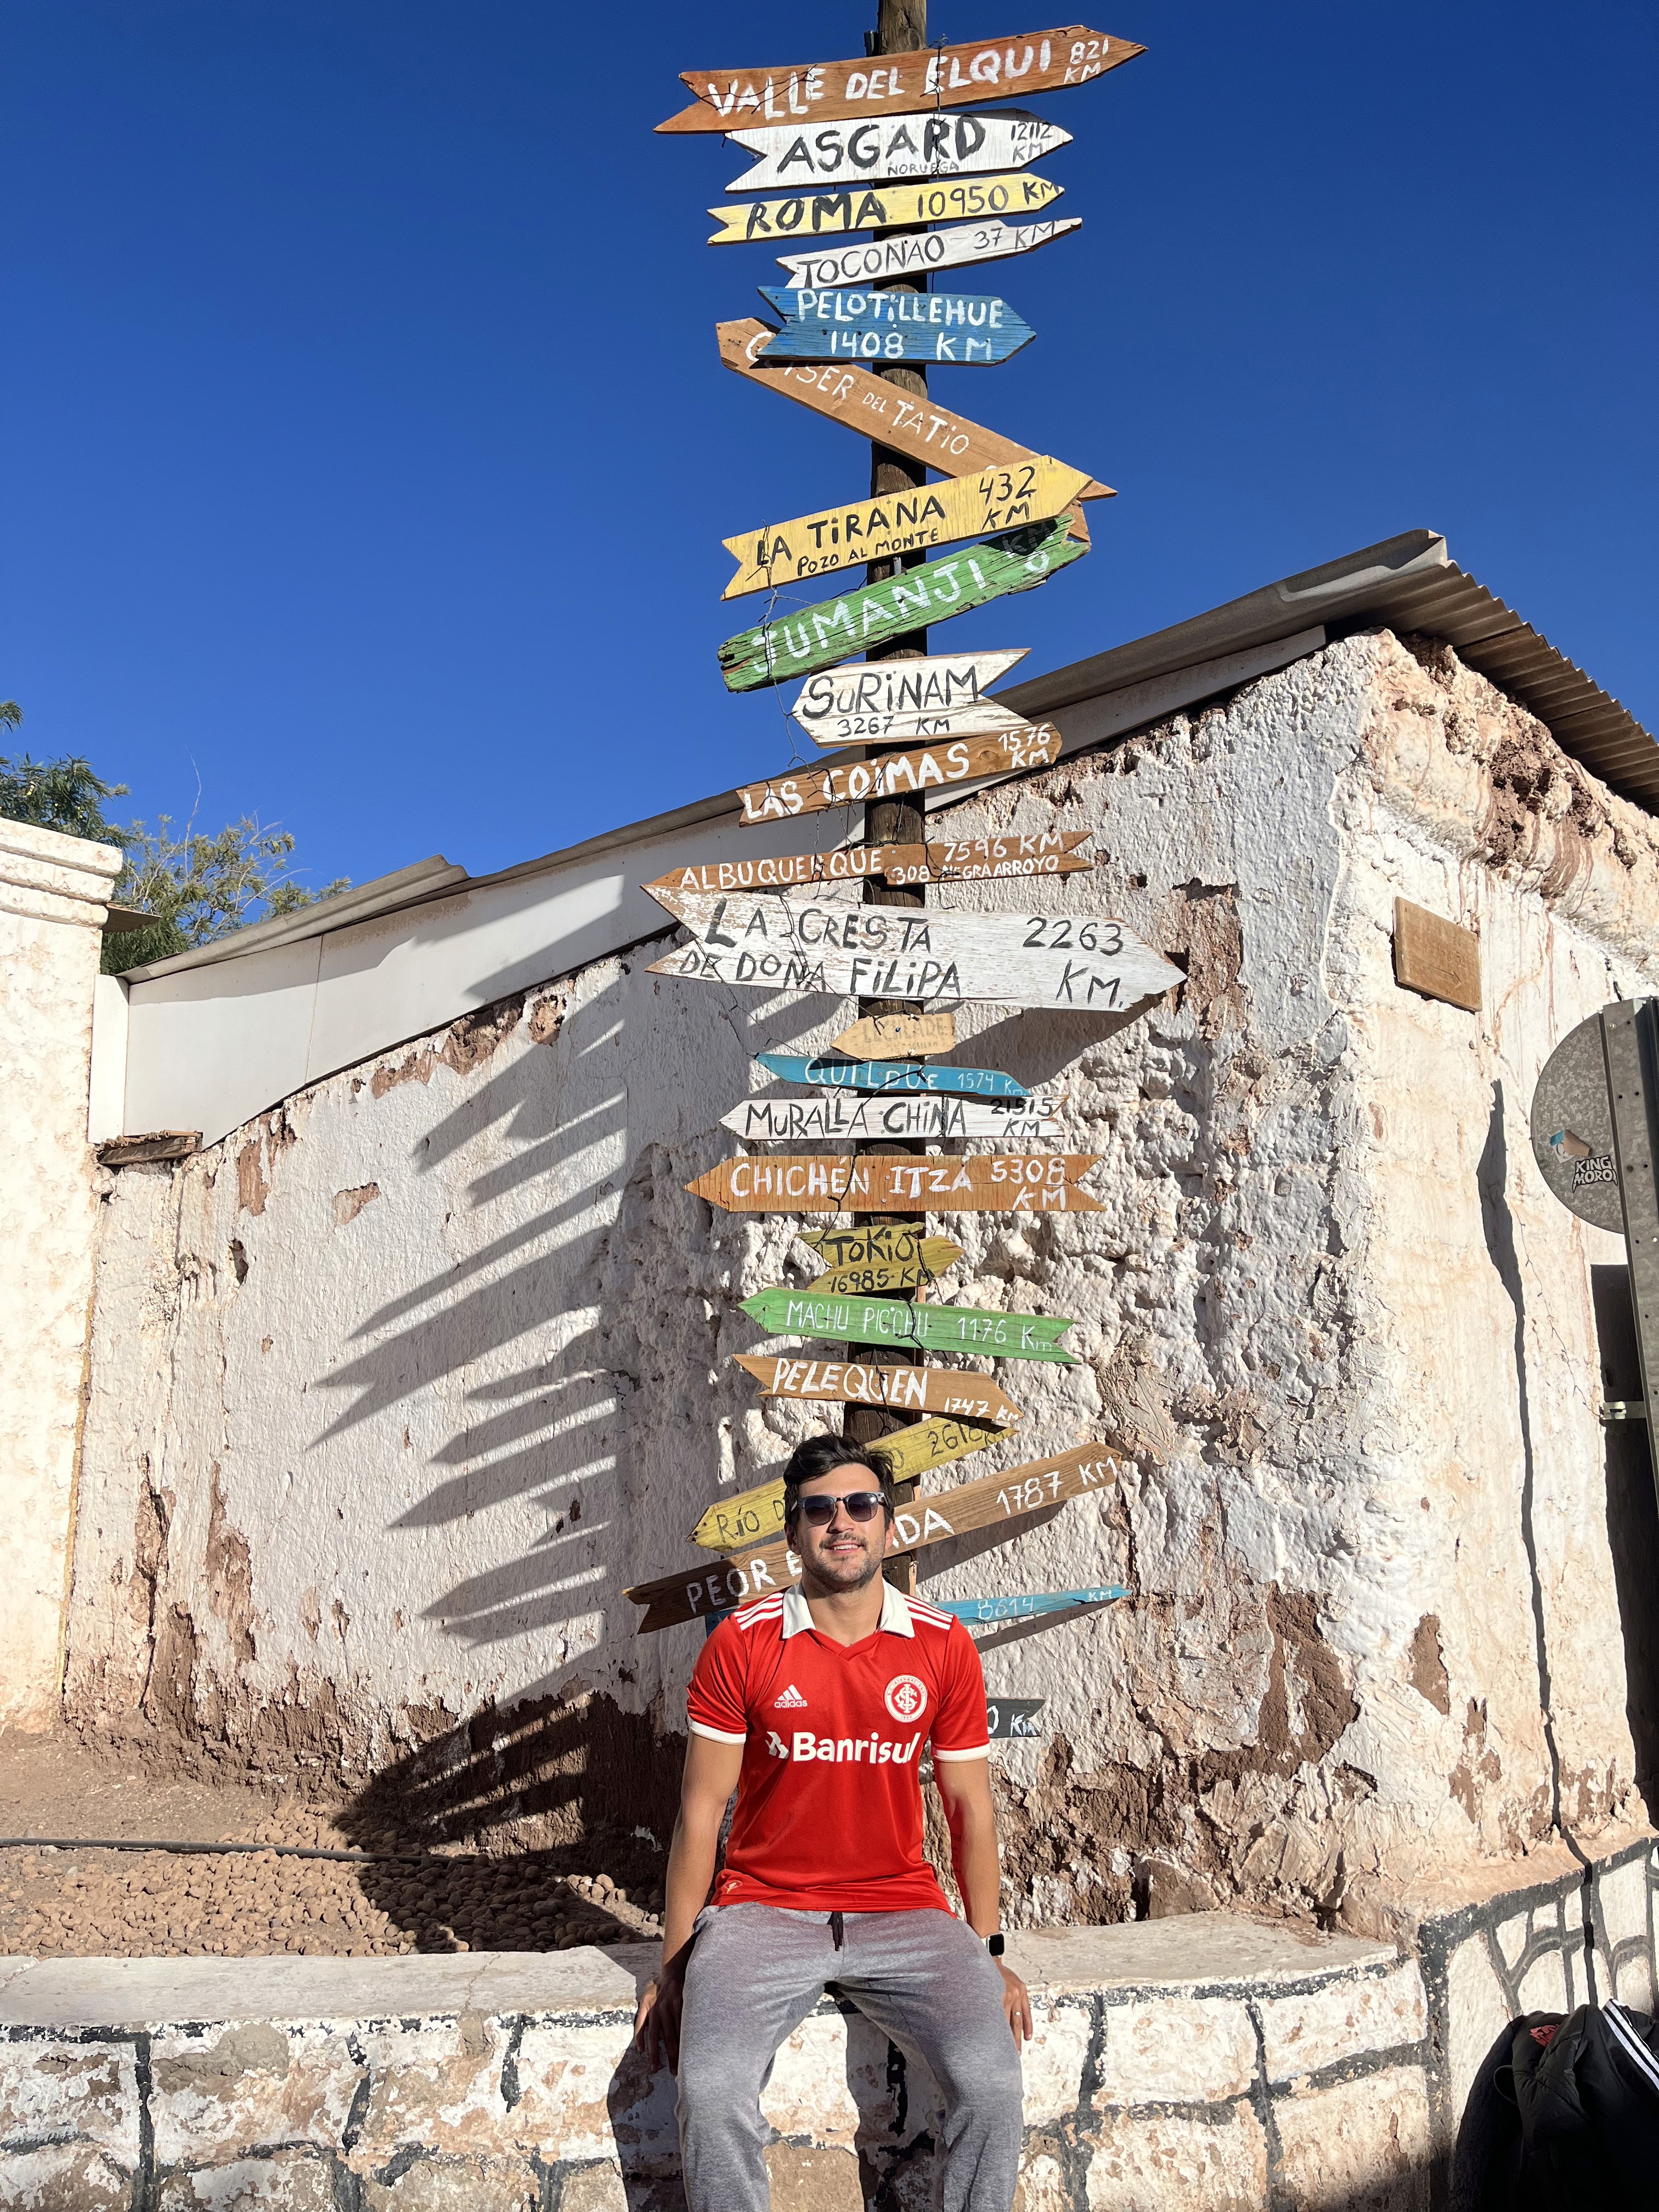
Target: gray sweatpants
[(923, 1978)]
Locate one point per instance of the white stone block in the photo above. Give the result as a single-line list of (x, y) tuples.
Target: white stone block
[(1379, 2013), (808, 2096), (1187, 2049), (1148, 2162), (436, 2083), (1358, 2142), (1053, 2062), (85, 2090), (583, 2087), (1477, 2008), (217, 2091)]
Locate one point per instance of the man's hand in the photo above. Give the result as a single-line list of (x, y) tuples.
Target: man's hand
[(1016, 2004), (657, 2023)]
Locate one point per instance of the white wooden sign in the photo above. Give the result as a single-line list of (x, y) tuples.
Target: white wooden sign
[(967, 143), (1090, 963), (874, 700), (848, 1114), (914, 253)]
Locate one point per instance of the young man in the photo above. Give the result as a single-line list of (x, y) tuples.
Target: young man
[(815, 1705)]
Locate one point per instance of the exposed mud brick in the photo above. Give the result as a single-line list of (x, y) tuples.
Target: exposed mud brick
[(85, 2091), (452, 2184), (1043, 2185), (1177, 2048), (813, 2180), (287, 2181), (1363, 2144), (438, 2084), (64, 2177), (1200, 2165), (594, 2189), (1383, 2012)]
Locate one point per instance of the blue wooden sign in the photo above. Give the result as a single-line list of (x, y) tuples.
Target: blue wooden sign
[(890, 1075), (972, 329), (978, 1612)]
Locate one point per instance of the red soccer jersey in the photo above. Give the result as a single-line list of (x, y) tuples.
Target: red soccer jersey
[(829, 1811)]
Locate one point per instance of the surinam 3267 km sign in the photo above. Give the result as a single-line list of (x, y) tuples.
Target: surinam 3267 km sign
[(899, 84), (1091, 963), (1085, 1469)]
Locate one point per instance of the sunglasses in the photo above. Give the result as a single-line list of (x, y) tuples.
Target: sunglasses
[(861, 1505)]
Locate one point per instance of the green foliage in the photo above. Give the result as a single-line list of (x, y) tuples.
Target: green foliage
[(197, 887)]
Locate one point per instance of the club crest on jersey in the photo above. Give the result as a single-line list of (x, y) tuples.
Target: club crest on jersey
[(907, 1698), (791, 1697)]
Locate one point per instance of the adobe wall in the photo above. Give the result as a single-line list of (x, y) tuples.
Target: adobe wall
[(395, 1390), (53, 891)]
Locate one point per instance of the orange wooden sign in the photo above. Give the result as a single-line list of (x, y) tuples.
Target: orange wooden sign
[(829, 1183), (933, 1519), (1035, 853), (968, 1396), (898, 84), (876, 409)]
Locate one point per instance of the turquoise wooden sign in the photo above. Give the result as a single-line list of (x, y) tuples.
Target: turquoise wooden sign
[(976, 1612), (890, 1075), (972, 329), (851, 1319), (830, 630)]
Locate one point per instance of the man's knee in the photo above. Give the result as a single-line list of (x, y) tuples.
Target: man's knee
[(714, 2084)]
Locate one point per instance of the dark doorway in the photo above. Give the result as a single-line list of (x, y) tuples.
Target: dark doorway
[(1632, 1523)]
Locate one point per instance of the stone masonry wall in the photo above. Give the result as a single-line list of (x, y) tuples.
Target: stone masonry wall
[(396, 1388), (53, 891)]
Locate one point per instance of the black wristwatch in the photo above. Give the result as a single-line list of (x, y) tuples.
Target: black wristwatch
[(993, 1944)]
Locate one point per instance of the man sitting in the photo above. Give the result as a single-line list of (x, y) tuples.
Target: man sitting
[(815, 1705)]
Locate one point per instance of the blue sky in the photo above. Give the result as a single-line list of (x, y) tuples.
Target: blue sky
[(368, 457)]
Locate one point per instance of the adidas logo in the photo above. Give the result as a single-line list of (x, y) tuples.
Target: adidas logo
[(791, 1695)]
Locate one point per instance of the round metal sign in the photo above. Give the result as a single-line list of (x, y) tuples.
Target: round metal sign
[(1572, 1128)]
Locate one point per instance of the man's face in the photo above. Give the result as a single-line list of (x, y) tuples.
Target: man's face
[(848, 1554)]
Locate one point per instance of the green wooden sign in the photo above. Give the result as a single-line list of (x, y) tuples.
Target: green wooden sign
[(833, 630), (839, 1318)]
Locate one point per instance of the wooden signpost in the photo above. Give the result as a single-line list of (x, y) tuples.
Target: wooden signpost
[(1042, 853), (846, 1117), (918, 1035), (970, 329), (915, 253), (842, 1182), (970, 1397), (831, 630), (886, 701), (1091, 963), (889, 1075), (848, 783), (779, 553), (908, 1452), (970, 144), (981, 1612), (884, 1255), (856, 1320), (847, 207), (1086, 1470), (897, 84), (916, 426)]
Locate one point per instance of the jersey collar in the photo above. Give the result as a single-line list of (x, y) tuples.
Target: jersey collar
[(894, 1613)]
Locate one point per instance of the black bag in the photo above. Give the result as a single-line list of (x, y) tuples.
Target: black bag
[(1588, 2105), (1487, 2164)]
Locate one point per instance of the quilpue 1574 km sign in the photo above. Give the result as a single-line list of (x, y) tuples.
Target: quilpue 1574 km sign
[(899, 84)]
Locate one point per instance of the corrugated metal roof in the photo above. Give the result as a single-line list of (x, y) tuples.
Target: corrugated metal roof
[(1411, 583)]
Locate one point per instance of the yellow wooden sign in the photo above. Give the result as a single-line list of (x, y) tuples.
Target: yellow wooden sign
[(888, 1036), (892, 1256), (807, 216), (880, 1275), (756, 1516), (908, 521)]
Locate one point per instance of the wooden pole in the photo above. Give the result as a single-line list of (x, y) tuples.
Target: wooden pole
[(900, 29)]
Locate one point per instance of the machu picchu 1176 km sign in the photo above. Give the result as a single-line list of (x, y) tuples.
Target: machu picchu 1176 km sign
[(847, 1318), (916, 83)]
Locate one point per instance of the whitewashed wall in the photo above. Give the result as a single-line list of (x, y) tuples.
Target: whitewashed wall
[(394, 1389)]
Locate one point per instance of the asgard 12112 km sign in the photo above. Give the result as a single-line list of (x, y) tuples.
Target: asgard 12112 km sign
[(894, 151)]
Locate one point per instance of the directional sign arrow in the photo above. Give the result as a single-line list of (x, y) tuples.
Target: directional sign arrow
[(979, 1612), (915, 253), (840, 1115), (973, 329), (921, 1034), (1040, 852), (870, 1182), (898, 149), (831, 630), (853, 1319), (889, 1257), (909, 1453), (970, 1397), (1087, 1468), (836, 208), (912, 521), (952, 760), (1086, 962), (899, 84), (890, 1075), (884, 701), (873, 408)]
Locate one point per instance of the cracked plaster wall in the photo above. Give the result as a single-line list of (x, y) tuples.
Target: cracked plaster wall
[(397, 1387)]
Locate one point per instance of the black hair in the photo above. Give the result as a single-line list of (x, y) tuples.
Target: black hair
[(822, 1455)]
